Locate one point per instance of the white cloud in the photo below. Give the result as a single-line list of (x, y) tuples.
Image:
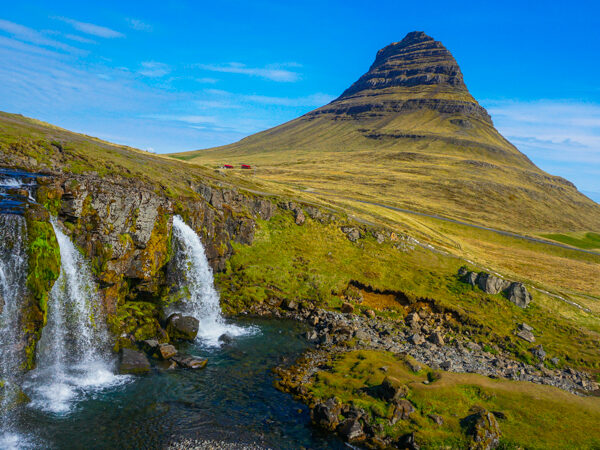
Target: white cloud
[(207, 80), (81, 39), (92, 29), (139, 25), (310, 100), (154, 69), (32, 36), (560, 136), (273, 72)]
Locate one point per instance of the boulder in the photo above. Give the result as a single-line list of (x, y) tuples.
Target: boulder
[(412, 319), (180, 327), (416, 339), (326, 414), (518, 294), (407, 442), (133, 362), (149, 346), (166, 351), (491, 284), (539, 352), (347, 308), (402, 410), (392, 389), (525, 327), (225, 339), (299, 216), (485, 431), (351, 430), (190, 362), (526, 336), (439, 420), (471, 278), (290, 305), (353, 234), (436, 338)]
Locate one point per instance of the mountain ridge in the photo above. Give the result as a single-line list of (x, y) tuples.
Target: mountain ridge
[(409, 133)]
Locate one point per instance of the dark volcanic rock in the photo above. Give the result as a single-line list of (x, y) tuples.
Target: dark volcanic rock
[(392, 389), (182, 327), (351, 430), (190, 362), (133, 362), (326, 414)]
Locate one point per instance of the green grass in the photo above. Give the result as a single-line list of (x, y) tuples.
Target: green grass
[(586, 241), (537, 416), (316, 263)]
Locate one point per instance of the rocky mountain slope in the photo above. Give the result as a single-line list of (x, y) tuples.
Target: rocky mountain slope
[(408, 133)]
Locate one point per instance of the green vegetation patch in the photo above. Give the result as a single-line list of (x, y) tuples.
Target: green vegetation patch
[(316, 263), (587, 241), (531, 416), (43, 269)]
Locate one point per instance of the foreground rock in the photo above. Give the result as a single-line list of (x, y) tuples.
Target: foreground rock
[(133, 362), (180, 327), (190, 362), (516, 292), (484, 429)]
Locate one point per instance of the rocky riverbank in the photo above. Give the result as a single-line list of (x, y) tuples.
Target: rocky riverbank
[(427, 337), (423, 341)]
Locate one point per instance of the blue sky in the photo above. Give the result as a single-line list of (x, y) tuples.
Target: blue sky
[(180, 75)]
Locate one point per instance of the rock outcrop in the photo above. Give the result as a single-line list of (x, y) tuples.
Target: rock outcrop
[(514, 291), (133, 362)]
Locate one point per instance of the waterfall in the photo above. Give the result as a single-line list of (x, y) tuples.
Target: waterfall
[(202, 300), (13, 271), (73, 353)]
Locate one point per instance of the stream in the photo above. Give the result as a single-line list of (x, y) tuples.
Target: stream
[(231, 400)]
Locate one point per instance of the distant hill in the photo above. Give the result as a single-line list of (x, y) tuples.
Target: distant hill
[(409, 134)]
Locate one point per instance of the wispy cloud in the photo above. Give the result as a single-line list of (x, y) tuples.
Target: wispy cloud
[(560, 136), (207, 80), (273, 72), (74, 37), (154, 69), (32, 36), (139, 25), (310, 100), (92, 29), (230, 99)]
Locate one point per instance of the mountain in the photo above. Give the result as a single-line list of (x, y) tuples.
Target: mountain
[(409, 134)]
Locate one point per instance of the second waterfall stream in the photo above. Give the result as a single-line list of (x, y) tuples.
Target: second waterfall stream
[(202, 301), (73, 353)]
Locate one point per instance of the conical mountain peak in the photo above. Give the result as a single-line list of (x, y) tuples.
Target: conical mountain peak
[(416, 60)]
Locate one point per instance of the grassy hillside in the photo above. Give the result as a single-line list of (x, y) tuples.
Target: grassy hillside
[(416, 142), (532, 416)]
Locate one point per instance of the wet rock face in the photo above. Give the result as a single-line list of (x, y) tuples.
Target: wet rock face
[(180, 327), (133, 362), (326, 414)]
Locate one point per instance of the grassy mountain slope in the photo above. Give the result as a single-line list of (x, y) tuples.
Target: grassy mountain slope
[(409, 134)]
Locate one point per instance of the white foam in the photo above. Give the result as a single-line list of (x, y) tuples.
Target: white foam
[(73, 357), (203, 299)]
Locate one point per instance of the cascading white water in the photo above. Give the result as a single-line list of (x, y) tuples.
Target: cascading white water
[(72, 355), (202, 301), (13, 270)]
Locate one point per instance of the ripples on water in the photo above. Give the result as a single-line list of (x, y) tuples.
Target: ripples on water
[(231, 400)]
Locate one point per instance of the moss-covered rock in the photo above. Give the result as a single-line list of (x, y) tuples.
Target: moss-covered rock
[(43, 255)]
